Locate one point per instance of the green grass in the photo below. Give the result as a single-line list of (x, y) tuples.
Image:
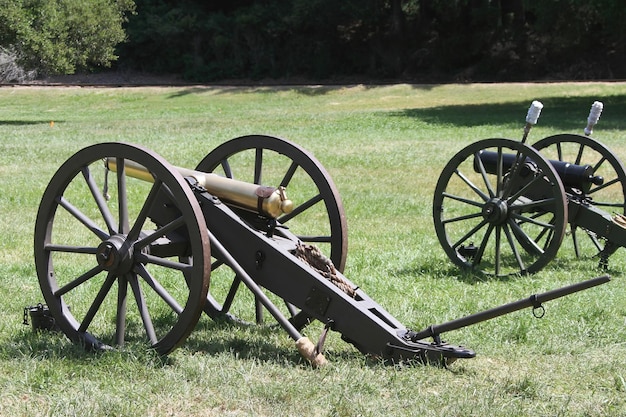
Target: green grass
[(384, 147)]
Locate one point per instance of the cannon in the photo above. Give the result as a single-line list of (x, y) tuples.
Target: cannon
[(502, 207), (130, 248)]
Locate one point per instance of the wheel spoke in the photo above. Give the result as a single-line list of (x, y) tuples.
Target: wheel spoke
[(470, 233), (533, 204), (79, 280), (143, 309), (81, 217), (258, 165), (95, 305), (227, 169), (301, 208), (463, 200), (158, 288), (88, 250), (122, 195), (559, 151), (524, 189), (216, 264), (161, 231), (316, 239), (604, 185), (548, 239), (579, 156), (460, 218), (523, 237), (289, 174), (145, 209), (525, 219), (513, 173), (498, 250), (483, 173), (499, 173), (469, 183), (120, 318), (100, 201), (145, 258), (483, 245), (597, 166), (513, 246), (230, 297), (543, 230)]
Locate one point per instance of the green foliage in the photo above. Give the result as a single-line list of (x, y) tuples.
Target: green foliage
[(432, 40), (63, 36)]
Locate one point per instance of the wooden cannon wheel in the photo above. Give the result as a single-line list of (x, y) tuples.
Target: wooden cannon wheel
[(488, 221), (318, 217), (86, 245), (609, 196)]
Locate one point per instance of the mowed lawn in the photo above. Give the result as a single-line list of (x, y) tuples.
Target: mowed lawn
[(384, 147)]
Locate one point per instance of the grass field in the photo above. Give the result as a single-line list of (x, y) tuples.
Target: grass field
[(384, 147)]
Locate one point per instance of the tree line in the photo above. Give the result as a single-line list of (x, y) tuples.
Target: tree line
[(421, 40)]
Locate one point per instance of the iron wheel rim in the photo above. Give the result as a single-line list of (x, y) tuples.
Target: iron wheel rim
[(62, 217), (515, 242)]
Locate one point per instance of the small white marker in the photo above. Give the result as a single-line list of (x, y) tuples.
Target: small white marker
[(594, 116)]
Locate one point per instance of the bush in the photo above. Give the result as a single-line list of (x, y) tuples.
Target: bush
[(10, 70), (63, 36)]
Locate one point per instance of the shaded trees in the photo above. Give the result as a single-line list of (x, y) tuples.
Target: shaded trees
[(425, 40)]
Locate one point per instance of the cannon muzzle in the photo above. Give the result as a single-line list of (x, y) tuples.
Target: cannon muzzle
[(268, 201)]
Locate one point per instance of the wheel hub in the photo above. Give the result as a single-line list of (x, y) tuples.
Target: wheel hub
[(495, 211), (115, 254)]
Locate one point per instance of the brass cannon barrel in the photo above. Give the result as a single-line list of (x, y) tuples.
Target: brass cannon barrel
[(269, 201)]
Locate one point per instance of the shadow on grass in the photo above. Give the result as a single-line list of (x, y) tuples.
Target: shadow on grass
[(26, 122), (311, 90), (254, 342), (264, 343), (567, 113), (239, 341), (583, 268), (51, 345), (445, 269)]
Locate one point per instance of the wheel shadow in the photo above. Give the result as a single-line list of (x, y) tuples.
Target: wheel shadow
[(265, 343), (438, 271)]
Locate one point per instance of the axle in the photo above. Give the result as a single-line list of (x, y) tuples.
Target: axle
[(268, 201)]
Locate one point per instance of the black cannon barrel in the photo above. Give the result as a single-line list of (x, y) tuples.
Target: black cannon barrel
[(534, 301), (571, 175)]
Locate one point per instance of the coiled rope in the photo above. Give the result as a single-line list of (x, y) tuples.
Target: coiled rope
[(312, 256)]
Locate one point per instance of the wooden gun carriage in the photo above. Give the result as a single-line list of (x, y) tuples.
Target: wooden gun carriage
[(118, 223)]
